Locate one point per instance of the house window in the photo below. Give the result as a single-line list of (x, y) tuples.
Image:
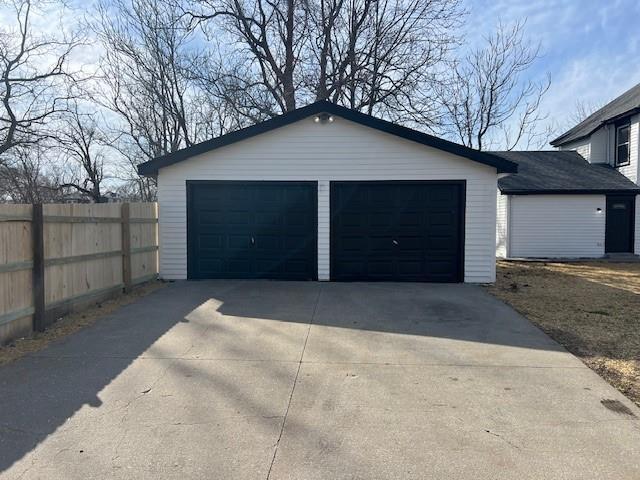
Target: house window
[(622, 145)]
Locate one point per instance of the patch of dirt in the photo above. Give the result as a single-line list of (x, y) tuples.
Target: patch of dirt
[(591, 308), (72, 323)]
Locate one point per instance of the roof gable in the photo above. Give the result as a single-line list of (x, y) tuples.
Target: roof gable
[(501, 164), (626, 104)]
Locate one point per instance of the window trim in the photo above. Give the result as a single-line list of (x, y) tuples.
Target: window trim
[(619, 126)]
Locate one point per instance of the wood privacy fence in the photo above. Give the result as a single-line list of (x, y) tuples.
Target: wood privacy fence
[(58, 258)]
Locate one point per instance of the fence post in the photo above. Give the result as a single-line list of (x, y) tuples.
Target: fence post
[(126, 247), (37, 232)]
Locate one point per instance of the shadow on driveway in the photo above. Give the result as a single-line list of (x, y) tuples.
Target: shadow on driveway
[(165, 334)]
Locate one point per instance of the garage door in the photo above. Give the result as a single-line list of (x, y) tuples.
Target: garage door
[(397, 231), (252, 230)]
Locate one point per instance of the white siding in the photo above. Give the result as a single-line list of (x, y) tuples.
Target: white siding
[(600, 147), (342, 150), (556, 226), (583, 147), (637, 233), (631, 171), (502, 226)]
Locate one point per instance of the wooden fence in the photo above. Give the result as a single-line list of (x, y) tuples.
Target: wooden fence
[(58, 258)]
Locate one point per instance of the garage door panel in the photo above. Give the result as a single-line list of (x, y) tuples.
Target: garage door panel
[(296, 219), (351, 220), (441, 245), (267, 218), (410, 267), (380, 219), (381, 268), (347, 244), (255, 230), (377, 244), (297, 196), (266, 243), (296, 266), (410, 219), (352, 267), (211, 242), (211, 217), (408, 231), (213, 264), (409, 244)]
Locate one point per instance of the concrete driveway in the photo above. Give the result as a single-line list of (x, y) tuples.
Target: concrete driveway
[(278, 380)]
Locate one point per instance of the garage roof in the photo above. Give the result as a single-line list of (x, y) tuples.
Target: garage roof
[(626, 104), (503, 165), (561, 172)]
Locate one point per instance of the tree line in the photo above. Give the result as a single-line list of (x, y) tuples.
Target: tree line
[(88, 97)]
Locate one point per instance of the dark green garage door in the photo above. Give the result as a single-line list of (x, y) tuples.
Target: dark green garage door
[(397, 231), (252, 230)]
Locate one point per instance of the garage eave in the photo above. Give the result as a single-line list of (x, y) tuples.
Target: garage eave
[(582, 191), (502, 165)]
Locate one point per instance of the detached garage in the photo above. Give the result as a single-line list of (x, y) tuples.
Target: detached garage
[(327, 193)]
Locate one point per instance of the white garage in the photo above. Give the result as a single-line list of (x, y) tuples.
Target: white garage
[(328, 193)]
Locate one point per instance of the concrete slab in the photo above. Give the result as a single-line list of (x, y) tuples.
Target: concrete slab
[(425, 324), (405, 422), (276, 380)]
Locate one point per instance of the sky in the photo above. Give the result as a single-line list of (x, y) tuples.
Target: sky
[(591, 48)]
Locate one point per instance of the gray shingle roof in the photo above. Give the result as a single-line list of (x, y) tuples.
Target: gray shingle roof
[(628, 102), (561, 172)]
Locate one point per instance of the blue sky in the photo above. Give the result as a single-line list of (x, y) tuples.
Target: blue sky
[(591, 48)]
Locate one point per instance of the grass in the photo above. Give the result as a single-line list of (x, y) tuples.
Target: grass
[(591, 308), (71, 323)]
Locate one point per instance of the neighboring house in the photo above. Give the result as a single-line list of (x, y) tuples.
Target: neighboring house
[(564, 205), (328, 193), (560, 206), (609, 135)]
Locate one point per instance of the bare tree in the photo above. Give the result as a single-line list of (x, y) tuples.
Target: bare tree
[(34, 78), (582, 110), (370, 55), (487, 103), (148, 84), (82, 145), (26, 177)]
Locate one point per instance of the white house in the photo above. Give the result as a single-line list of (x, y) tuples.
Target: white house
[(328, 193), (580, 201)]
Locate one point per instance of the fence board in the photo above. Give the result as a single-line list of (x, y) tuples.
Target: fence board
[(15, 285), (90, 232)]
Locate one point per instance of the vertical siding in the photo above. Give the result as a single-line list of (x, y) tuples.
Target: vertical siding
[(502, 226), (556, 226), (342, 150)]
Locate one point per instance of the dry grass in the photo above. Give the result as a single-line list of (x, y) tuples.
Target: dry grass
[(72, 323), (592, 308)]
